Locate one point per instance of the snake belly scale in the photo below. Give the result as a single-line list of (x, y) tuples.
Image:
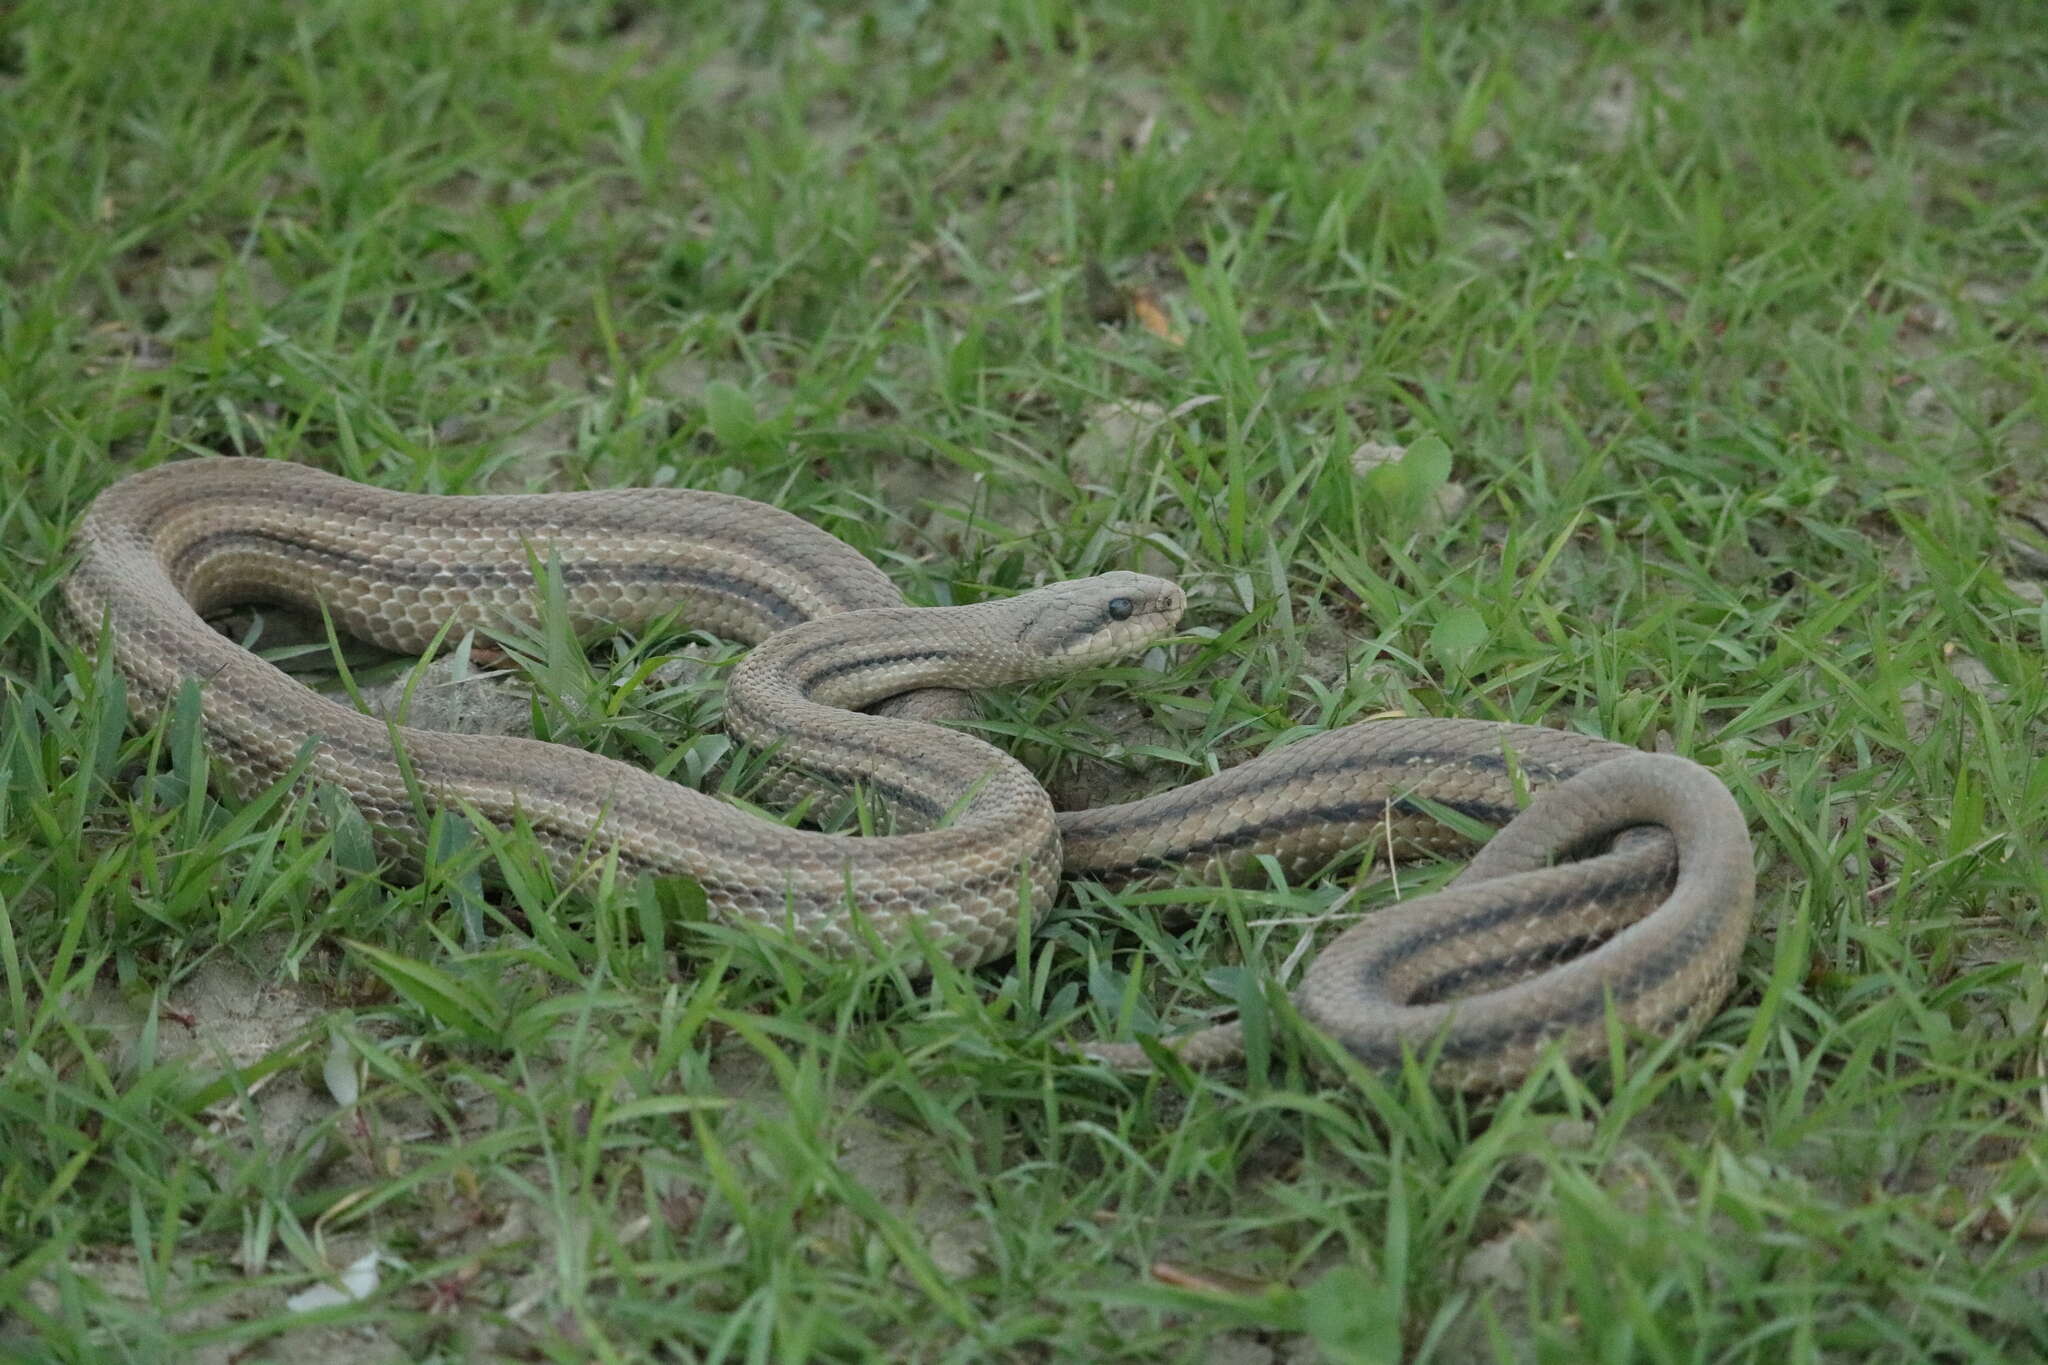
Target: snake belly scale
[(1516, 958)]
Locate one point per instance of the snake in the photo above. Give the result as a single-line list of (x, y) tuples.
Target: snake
[(1617, 890)]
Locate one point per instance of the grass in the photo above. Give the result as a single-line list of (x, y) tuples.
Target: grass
[(1729, 319)]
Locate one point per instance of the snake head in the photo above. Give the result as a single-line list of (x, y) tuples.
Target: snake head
[(1072, 623)]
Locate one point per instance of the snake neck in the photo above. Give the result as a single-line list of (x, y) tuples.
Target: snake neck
[(856, 659), (800, 692)]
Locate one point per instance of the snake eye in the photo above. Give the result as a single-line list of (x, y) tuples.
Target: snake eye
[(1120, 608)]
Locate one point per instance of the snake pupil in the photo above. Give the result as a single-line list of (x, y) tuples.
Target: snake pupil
[(1120, 608)]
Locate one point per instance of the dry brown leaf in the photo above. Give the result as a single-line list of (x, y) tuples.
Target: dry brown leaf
[(1145, 308), (1987, 1220), (1205, 1281)]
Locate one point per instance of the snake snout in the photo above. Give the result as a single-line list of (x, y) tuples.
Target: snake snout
[(1110, 614)]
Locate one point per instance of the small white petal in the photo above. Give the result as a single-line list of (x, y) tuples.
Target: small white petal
[(340, 1072), (358, 1282)]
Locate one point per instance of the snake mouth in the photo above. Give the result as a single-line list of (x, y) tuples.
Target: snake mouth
[(1158, 624), (1141, 629)]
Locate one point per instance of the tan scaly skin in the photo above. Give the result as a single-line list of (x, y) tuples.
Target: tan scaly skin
[(1472, 971)]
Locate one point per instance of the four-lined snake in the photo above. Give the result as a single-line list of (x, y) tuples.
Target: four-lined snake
[(1516, 957)]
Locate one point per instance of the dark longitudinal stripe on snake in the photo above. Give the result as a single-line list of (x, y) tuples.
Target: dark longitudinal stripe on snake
[(679, 578)]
